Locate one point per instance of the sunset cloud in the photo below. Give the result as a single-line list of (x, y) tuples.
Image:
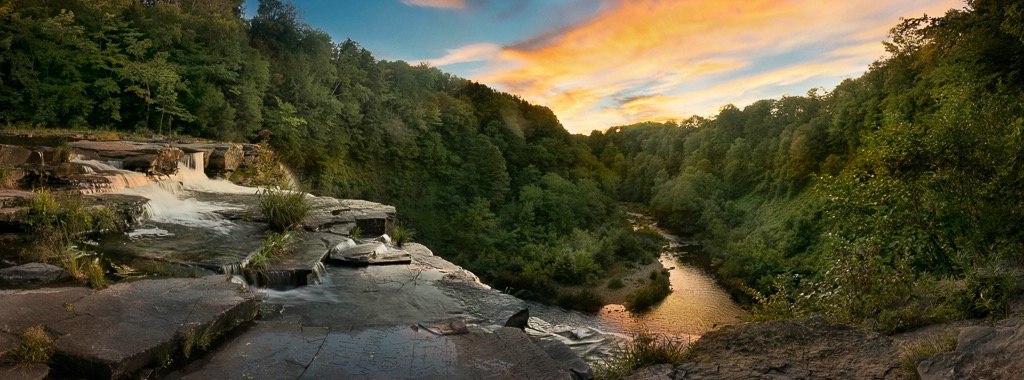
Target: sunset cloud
[(445, 4), (659, 60)]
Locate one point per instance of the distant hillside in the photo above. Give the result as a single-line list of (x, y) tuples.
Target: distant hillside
[(893, 200)]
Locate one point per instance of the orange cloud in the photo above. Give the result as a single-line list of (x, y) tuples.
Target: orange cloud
[(657, 59)]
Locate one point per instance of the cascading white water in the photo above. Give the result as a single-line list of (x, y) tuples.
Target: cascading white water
[(170, 200)]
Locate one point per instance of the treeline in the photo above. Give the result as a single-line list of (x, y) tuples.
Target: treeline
[(485, 178), (893, 200)]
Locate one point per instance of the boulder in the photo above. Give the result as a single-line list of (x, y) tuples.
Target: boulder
[(369, 254), (808, 348), (11, 155), (982, 352), (37, 273), (341, 215)]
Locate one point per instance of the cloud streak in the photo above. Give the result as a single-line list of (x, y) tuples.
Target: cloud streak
[(659, 60), (443, 4)]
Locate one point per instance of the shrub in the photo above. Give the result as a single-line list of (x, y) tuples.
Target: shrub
[(645, 349), (402, 235), (7, 177), (584, 300), (283, 209), (36, 347), (655, 291), (95, 274), (63, 152), (616, 283)]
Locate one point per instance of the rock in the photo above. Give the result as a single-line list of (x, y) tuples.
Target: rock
[(373, 219), (38, 273), (793, 349), (560, 352), (21, 309), (519, 320), (654, 372), (373, 253), (982, 352), (221, 159), (30, 372), (450, 326), (131, 325), (11, 155), (152, 159), (289, 350)]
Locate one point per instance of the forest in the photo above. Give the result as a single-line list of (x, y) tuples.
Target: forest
[(890, 201), (484, 178)]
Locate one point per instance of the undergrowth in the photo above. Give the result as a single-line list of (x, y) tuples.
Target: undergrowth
[(36, 348), (283, 209), (644, 350)]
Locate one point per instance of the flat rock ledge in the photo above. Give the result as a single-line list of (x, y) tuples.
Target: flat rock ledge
[(808, 348), (130, 326)]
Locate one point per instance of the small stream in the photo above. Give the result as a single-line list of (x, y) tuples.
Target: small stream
[(697, 303)]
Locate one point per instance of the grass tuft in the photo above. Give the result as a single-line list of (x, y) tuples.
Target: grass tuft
[(926, 349), (36, 348), (646, 349), (402, 235), (283, 209)]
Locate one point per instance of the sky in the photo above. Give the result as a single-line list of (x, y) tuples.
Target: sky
[(604, 63)]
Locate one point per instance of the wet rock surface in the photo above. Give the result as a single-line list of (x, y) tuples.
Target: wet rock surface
[(374, 322), (129, 326)]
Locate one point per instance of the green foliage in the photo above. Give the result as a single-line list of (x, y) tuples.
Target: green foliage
[(584, 300), (645, 349), (36, 348), (63, 152), (652, 293), (284, 209), (274, 246), (616, 283), (402, 234), (7, 177), (355, 233)]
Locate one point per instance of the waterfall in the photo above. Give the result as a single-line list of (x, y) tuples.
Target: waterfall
[(171, 200)]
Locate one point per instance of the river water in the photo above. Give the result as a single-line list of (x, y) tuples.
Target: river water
[(190, 222)]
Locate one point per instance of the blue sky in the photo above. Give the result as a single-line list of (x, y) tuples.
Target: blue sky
[(603, 63)]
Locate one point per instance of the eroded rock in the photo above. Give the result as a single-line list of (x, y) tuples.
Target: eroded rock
[(982, 352), (32, 273), (808, 348)]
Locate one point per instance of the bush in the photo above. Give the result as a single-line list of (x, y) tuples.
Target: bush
[(644, 350), (616, 283), (583, 300), (402, 235), (283, 209), (643, 298), (36, 348)]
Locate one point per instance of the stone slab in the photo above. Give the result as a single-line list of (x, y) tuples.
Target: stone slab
[(37, 273), (128, 326), (21, 309), (30, 372)]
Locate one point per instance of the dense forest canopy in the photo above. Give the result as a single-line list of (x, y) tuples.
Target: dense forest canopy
[(895, 198), (891, 200)]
